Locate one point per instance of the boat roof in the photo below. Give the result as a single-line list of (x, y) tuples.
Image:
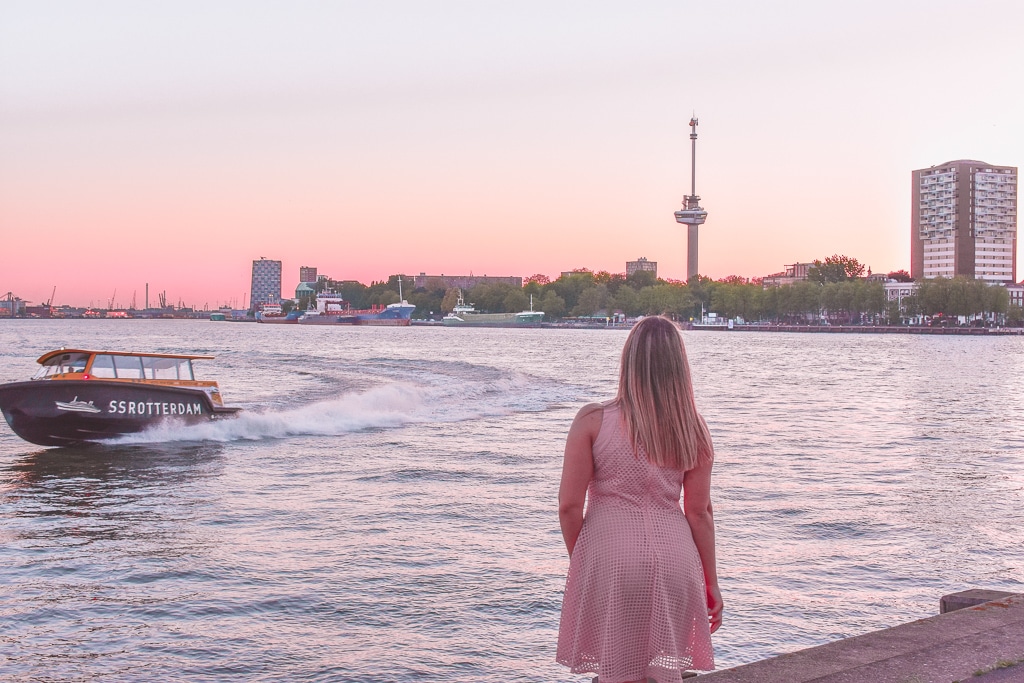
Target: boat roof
[(50, 354)]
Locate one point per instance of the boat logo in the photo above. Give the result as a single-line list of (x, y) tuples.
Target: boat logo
[(77, 406)]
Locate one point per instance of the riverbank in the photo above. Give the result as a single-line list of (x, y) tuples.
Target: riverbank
[(860, 329)]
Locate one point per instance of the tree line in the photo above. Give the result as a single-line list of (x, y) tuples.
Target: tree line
[(836, 292)]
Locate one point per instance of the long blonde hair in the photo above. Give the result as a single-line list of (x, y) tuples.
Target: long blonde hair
[(656, 397)]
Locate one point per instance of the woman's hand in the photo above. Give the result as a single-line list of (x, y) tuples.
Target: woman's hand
[(714, 607)]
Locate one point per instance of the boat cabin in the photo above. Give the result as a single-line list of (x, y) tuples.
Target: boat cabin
[(149, 368)]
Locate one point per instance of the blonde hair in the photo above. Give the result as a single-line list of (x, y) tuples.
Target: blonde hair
[(656, 397)]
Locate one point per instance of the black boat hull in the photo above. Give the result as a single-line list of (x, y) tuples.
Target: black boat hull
[(65, 412)]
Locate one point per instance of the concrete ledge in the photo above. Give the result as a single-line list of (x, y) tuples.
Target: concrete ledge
[(954, 646), (975, 596)]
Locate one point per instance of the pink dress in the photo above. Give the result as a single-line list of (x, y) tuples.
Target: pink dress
[(635, 603)]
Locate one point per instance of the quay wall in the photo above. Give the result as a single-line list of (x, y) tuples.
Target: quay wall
[(978, 636)]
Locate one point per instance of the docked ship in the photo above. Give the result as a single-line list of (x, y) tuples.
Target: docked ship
[(465, 315), (273, 313), (332, 309), (83, 396)]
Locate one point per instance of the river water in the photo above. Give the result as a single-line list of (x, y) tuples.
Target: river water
[(384, 509)]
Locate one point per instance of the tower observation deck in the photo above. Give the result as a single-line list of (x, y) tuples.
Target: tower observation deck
[(692, 215)]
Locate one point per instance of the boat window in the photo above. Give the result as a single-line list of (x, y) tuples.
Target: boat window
[(128, 367), (64, 363), (103, 366), (166, 368)]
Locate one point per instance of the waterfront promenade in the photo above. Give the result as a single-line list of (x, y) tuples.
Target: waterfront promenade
[(978, 636)]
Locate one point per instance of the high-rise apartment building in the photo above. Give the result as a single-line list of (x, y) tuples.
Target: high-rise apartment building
[(266, 282), (964, 221), (641, 264), (307, 274)]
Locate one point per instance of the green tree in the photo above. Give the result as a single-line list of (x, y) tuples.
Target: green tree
[(571, 285), (1015, 316), (835, 268), (667, 299), (516, 301), (626, 300), (591, 300), (641, 279), (450, 300), (552, 305)]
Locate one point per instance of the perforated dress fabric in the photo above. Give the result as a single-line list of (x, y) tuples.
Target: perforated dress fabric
[(635, 605)]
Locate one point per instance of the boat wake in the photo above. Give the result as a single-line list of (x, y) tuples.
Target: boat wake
[(389, 406)]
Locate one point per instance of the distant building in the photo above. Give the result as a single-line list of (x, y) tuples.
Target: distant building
[(307, 274), (641, 264), (467, 282), (11, 306), (305, 289), (570, 273), (963, 221), (796, 272), (266, 282), (898, 291), (1016, 293)]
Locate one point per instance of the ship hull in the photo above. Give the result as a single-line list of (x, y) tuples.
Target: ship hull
[(328, 320), (288, 319), (388, 317), (506, 324), (386, 322), (66, 412), (494, 320)]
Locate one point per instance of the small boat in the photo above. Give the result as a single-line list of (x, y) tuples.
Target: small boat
[(81, 396), (274, 313)]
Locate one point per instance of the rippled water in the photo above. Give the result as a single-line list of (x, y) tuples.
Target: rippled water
[(384, 510)]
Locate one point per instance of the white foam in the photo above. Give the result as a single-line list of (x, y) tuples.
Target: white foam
[(392, 405)]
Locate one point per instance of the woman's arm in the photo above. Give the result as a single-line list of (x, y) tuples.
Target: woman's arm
[(577, 470), (700, 517)]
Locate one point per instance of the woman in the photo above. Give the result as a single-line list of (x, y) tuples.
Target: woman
[(642, 598)]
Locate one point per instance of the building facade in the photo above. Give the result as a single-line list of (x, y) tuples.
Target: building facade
[(641, 264), (307, 274), (266, 282), (796, 272), (964, 221)]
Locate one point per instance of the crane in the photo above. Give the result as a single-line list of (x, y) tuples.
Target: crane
[(49, 302)]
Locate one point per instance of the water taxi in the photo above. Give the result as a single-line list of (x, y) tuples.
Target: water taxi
[(81, 396)]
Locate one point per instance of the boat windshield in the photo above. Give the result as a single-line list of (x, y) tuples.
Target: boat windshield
[(62, 364), (141, 367)]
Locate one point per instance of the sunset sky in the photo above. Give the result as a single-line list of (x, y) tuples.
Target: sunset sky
[(173, 143)]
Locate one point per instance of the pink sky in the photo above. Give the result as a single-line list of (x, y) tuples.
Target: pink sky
[(175, 144)]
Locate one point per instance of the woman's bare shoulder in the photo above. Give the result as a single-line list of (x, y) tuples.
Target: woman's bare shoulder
[(589, 417), (589, 409)]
